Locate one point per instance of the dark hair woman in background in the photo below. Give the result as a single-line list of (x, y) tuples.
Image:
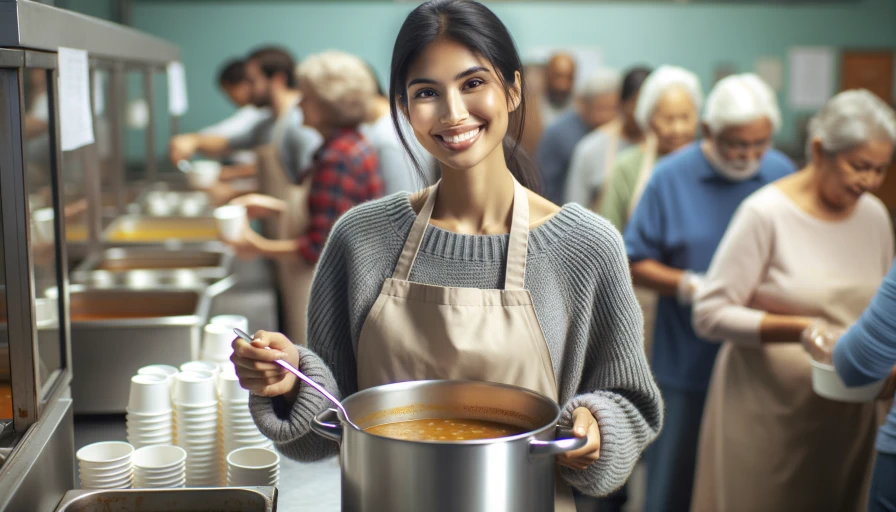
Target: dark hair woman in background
[(548, 307)]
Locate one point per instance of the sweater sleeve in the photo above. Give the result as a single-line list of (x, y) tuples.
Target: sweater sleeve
[(616, 384), (329, 359), (720, 311), (867, 351)]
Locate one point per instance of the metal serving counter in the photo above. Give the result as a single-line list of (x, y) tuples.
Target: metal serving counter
[(48, 197)]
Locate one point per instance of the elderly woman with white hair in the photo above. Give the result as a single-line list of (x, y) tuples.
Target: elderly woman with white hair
[(667, 110), (597, 103), (337, 90), (670, 240), (806, 251)]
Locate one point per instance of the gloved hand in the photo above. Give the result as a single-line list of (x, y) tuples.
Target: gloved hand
[(690, 284), (819, 339)]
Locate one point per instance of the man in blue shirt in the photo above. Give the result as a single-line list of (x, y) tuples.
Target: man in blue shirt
[(597, 103), (670, 240)]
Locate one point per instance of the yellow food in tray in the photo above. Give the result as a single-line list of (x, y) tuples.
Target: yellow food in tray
[(160, 229)]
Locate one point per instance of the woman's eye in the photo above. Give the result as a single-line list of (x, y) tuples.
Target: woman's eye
[(425, 93), (474, 83)]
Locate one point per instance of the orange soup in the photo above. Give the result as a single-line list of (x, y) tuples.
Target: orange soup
[(444, 430)]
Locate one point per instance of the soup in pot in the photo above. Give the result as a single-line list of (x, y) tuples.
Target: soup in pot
[(444, 430)]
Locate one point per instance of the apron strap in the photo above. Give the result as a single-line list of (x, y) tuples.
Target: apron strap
[(402, 270), (647, 162), (517, 247)]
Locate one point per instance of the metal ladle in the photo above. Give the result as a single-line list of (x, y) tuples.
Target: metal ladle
[(308, 380)]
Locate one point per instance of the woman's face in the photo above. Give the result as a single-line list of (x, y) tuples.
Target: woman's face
[(457, 105), (674, 120), (845, 176)]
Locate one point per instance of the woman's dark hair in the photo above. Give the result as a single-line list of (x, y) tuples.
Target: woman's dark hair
[(632, 81), (273, 60), (232, 72), (474, 26)]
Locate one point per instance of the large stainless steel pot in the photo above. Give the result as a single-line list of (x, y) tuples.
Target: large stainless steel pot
[(507, 474)]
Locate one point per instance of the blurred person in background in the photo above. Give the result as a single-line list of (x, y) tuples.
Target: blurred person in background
[(596, 153), (234, 82), (803, 254), (559, 84), (667, 111), (396, 169), (337, 92), (271, 73), (670, 240), (864, 354), (597, 103)]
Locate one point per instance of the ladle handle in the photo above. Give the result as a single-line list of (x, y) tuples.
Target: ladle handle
[(326, 424)]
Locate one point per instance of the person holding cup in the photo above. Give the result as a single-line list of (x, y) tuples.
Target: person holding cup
[(337, 90), (811, 247)]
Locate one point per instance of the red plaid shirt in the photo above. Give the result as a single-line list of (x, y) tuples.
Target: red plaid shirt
[(345, 173)]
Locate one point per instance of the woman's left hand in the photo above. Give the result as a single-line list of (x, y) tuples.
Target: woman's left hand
[(584, 424)]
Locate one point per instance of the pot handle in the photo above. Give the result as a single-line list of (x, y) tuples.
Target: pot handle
[(568, 443), (326, 424)]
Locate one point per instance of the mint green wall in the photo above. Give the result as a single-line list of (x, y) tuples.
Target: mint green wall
[(696, 36)]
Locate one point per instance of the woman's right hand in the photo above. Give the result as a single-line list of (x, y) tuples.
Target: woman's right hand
[(260, 205), (255, 366)]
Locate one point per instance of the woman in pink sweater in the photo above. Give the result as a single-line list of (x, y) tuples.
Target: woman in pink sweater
[(813, 246)]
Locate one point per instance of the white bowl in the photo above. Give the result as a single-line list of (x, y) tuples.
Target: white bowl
[(105, 454), (203, 174), (826, 383)]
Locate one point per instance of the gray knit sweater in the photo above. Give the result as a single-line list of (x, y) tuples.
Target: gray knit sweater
[(578, 275)]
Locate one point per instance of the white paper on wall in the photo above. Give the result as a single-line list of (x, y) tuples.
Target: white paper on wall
[(76, 121), (771, 71), (177, 89), (811, 76)]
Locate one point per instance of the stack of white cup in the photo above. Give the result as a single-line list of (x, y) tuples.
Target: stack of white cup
[(230, 322), (106, 465), (160, 467), (238, 429), (217, 342), (149, 419), (170, 372), (248, 467), (196, 403)]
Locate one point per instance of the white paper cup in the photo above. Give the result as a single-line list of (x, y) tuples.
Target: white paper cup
[(232, 321), (826, 383), (217, 340), (203, 174), (231, 221), (195, 389), (161, 369), (200, 367), (253, 458), (108, 474), (105, 454), (149, 394), (231, 392), (158, 457)]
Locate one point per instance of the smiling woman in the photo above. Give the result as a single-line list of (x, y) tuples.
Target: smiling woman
[(476, 278)]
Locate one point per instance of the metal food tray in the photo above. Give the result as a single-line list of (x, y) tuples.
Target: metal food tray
[(115, 331), (217, 499), (144, 230), (149, 266)]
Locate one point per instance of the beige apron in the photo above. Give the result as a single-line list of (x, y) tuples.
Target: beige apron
[(768, 442), (417, 331), (613, 132), (294, 274), (647, 298)]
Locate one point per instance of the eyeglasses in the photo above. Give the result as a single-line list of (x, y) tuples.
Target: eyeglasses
[(741, 145)]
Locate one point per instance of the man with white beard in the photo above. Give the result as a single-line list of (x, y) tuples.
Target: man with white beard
[(670, 241)]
